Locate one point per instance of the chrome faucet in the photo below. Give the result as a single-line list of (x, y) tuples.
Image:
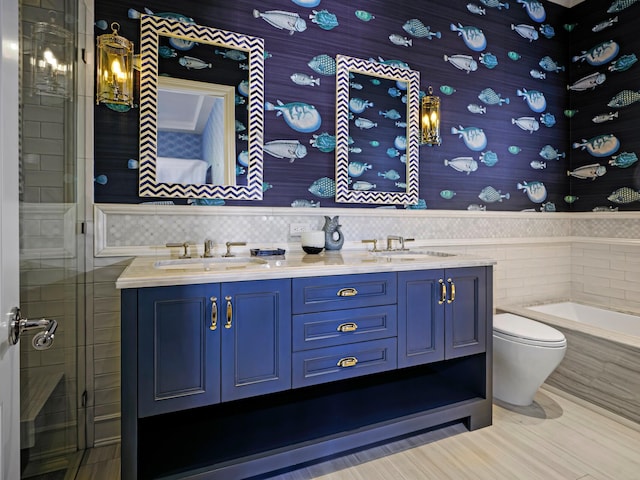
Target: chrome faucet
[(208, 247), (232, 244)]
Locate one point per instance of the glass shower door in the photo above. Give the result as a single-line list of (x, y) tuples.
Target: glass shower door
[(51, 244)]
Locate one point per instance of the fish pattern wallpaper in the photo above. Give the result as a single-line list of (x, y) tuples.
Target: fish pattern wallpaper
[(536, 100)]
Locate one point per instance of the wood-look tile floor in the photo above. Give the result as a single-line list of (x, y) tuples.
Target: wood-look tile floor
[(558, 437)]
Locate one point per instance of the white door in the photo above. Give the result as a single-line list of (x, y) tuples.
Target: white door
[(9, 250)]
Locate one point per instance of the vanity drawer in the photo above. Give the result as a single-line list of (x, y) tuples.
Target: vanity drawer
[(318, 294), (322, 365), (327, 329)]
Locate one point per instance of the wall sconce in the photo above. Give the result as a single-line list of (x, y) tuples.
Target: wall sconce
[(51, 59), (114, 80), (430, 123)]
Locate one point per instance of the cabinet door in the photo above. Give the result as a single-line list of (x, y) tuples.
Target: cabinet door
[(466, 315), (178, 353), (256, 338), (420, 318)]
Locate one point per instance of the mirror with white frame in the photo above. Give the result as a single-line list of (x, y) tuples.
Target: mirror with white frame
[(377, 132), (188, 128)]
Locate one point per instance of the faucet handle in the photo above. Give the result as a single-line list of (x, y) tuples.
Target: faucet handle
[(232, 244), (184, 245), (375, 244), (405, 240)]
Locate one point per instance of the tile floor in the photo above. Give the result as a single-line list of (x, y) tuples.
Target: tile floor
[(558, 437)]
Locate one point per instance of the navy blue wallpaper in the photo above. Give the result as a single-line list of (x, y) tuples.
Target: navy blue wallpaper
[(500, 68), (604, 90)]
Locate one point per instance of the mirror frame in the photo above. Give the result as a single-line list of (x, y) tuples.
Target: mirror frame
[(344, 66), (151, 27)]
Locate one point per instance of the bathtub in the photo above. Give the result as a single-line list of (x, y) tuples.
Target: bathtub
[(602, 363)]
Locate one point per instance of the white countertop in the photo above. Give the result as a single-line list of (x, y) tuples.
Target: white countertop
[(142, 272)]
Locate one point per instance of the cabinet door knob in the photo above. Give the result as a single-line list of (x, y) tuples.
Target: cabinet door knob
[(214, 313), (229, 312), (348, 327), (347, 362), (347, 292), (443, 292), (453, 291)]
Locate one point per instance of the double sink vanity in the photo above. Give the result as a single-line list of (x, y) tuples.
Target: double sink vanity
[(233, 367)]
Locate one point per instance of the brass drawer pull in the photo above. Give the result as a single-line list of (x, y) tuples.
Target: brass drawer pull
[(229, 312), (443, 292), (214, 313), (348, 327), (347, 292), (347, 362), (453, 291)]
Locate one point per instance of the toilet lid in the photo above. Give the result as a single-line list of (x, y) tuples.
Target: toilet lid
[(525, 330)]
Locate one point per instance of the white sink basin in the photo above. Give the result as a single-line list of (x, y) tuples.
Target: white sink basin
[(211, 264), (412, 255)]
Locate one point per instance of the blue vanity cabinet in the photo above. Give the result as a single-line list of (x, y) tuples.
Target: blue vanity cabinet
[(441, 314), (203, 344), (308, 367)]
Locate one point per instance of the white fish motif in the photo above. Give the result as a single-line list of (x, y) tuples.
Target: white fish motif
[(476, 9), (473, 37), (602, 25), (282, 20), (536, 191), (600, 146), (193, 62), (356, 169), (462, 62), (538, 165), (604, 117), (364, 123), (600, 54), (474, 138), (358, 105), (462, 164), (400, 40), (537, 74), (528, 124), (592, 171), (534, 9), (300, 116), (361, 185), (304, 79), (290, 149), (389, 175), (534, 99), (475, 108), (525, 31), (590, 81)]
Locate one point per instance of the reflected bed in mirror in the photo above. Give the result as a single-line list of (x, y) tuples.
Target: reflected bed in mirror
[(196, 132), (201, 109), (377, 132)]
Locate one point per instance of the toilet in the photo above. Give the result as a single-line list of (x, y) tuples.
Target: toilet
[(525, 352)]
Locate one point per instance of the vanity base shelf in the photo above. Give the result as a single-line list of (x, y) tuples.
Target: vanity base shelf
[(246, 438)]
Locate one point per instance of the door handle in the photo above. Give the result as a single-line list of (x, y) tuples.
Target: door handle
[(214, 313), (453, 291), (229, 312), (42, 340), (443, 292)]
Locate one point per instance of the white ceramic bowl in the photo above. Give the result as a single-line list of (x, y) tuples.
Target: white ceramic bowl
[(313, 241)]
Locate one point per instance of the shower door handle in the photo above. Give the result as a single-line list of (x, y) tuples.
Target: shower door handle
[(42, 340)]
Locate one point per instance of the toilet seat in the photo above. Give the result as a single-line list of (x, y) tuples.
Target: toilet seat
[(526, 331)]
